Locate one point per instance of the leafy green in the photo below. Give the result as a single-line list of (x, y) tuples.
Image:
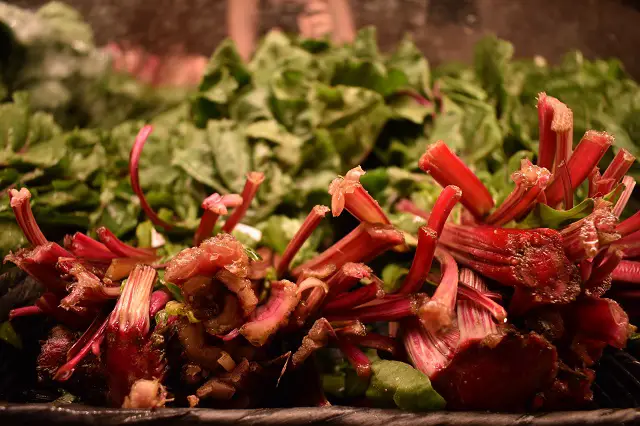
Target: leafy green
[(395, 383), (9, 335)]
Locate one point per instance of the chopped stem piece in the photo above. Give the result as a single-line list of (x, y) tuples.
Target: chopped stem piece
[(391, 310), (446, 201), (66, 370), (310, 223), (447, 169), (470, 288), (347, 277), (159, 299), (85, 247), (377, 341), (555, 123), (629, 225), (25, 311), (620, 165), (347, 192), (134, 161), (567, 190), (627, 271), (254, 180)]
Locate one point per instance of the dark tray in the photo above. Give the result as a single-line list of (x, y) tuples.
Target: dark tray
[(25, 414)]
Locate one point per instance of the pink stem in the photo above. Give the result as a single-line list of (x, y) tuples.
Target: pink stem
[(594, 178), (25, 311), (627, 271), (20, 203), (345, 301), (85, 247), (65, 372), (437, 314), (446, 201), (447, 169), (356, 357), (629, 183), (310, 223), (392, 310), (567, 191), (377, 341), (587, 155), (620, 165), (134, 161), (363, 244), (159, 299), (251, 186), (427, 240), (120, 248), (466, 292), (347, 277), (347, 192), (629, 225), (214, 206), (603, 269)]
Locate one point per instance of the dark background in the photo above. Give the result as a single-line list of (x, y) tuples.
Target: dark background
[(444, 29)]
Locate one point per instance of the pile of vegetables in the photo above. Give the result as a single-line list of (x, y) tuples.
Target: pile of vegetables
[(229, 321), (203, 270)]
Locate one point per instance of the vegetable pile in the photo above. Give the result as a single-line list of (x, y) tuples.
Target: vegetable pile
[(219, 323), (185, 256)]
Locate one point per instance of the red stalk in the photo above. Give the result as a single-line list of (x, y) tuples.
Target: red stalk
[(530, 181), (134, 161), (627, 271), (620, 165), (254, 180), (391, 310), (629, 183), (112, 242), (347, 277), (44, 273), (355, 356), (87, 288), (446, 201), (20, 203), (437, 314), (363, 244), (25, 311), (377, 341), (427, 240), (471, 288), (85, 247), (601, 319), (594, 179), (129, 354), (600, 279), (84, 340), (90, 337), (49, 303), (447, 169), (347, 192), (555, 123), (310, 223), (567, 191), (587, 155), (214, 206), (159, 299), (629, 225), (407, 206), (364, 294)]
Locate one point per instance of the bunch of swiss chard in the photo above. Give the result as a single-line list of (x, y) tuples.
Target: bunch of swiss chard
[(512, 315)]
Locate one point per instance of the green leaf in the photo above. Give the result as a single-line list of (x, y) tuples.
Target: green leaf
[(287, 146), (406, 107), (543, 216), (196, 159), (399, 384), (410, 60), (175, 291), (9, 335), (230, 152), (392, 276), (252, 254), (144, 233)]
